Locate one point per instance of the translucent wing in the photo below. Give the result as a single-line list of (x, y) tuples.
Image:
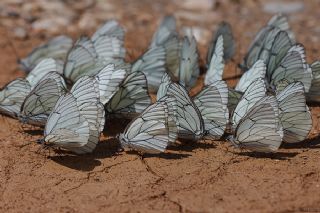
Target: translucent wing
[(109, 80), (253, 94), (77, 119), (41, 100), (153, 64), (12, 96), (172, 48), (212, 103), (280, 47), (233, 99), (293, 67), (151, 131), (189, 119), (166, 29), (56, 48), (295, 115), (86, 92), (41, 69), (224, 30), (165, 82), (314, 92), (66, 128), (258, 70), (258, 130), (111, 28), (216, 65), (132, 97), (110, 48), (189, 67), (82, 60), (280, 21)]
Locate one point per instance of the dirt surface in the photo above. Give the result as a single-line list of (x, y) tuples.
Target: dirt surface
[(209, 176)]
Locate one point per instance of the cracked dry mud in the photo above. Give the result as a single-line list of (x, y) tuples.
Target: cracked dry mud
[(209, 176)]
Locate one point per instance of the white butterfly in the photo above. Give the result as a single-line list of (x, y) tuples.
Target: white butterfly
[(212, 103), (216, 66), (259, 129), (257, 71), (294, 115), (255, 91), (77, 119), (262, 44), (314, 92), (293, 67), (131, 98), (189, 67), (224, 30), (153, 130), (56, 48), (41, 100), (13, 94), (188, 118)]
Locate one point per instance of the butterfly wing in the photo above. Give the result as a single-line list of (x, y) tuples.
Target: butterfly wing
[(57, 48), (253, 94), (109, 80), (314, 92), (212, 103), (295, 115), (12, 96), (131, 98), (216, 65), (258, 70), (41, 100), (149, 132), (258, 130)]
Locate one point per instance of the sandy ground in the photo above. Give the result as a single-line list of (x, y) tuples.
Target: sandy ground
[(209, 176)]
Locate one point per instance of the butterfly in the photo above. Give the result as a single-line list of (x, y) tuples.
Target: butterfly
[(56, 48), (153, 130), (14, 93), (212, 103), (224, 30), (131, 98), (295, 115), (77, 119)]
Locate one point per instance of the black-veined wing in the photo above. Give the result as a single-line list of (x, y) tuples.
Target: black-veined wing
[(82, 60), (258, 130), (212, 103), (258, 70), (109, 80), (41, 100), (189, 67), (12, 96), (216, 66), (56, 48), (294, 115), (153, 64), (293, 67), (314, 92), (44, 67), (229, 44), (189, 120), (132, 97), (253, 94), (153, 130)]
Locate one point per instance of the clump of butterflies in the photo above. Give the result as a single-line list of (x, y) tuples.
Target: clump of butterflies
[(71, 88)]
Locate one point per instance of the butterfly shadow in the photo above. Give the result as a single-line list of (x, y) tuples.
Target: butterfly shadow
[(87, 162), (189, 146), (165, 155), (272, 155), (312, 143), (34, 132)]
